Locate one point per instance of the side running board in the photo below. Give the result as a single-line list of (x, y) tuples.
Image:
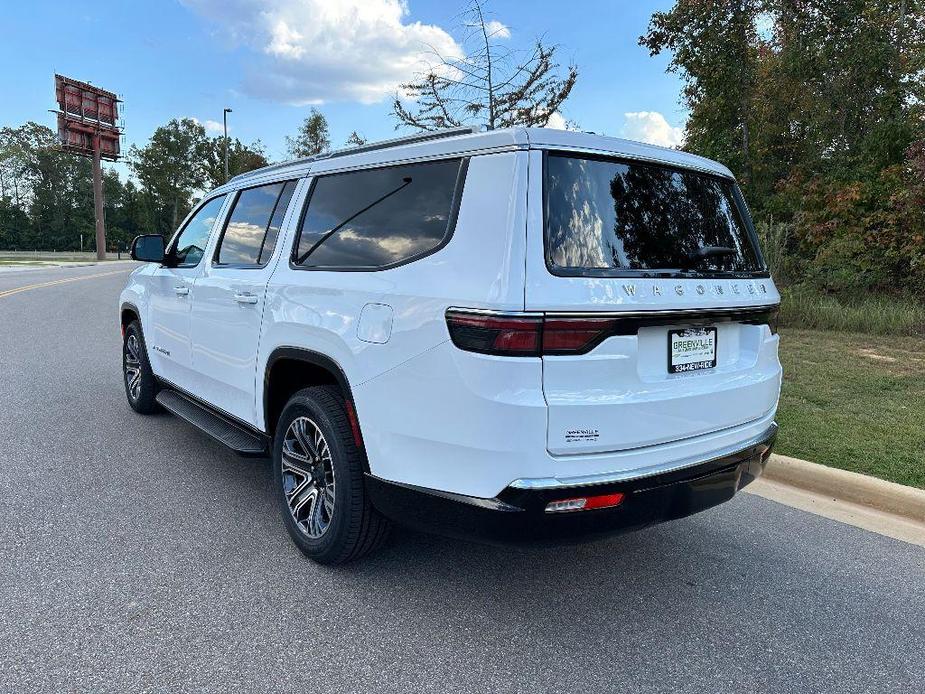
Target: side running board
[(235, 436)]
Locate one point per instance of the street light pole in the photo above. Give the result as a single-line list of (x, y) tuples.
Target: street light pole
[(225, 123)]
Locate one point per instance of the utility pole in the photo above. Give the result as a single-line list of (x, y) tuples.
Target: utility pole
[(98, 199), (225, 123)]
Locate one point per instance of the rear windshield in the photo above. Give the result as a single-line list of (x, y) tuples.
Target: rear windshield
[(605, 217)]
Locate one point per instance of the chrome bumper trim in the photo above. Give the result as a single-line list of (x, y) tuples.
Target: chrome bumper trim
[(626, 475)]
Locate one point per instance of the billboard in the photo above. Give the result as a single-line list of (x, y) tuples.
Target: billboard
[(85, 111)]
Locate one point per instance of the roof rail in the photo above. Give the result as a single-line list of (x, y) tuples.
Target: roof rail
[(371, 147)]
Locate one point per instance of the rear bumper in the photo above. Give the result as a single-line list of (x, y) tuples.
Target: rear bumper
[(517, 515)]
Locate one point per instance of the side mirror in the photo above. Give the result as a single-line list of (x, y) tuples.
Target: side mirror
[(148, 248)]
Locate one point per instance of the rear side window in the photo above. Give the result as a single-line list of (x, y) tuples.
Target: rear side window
[(191, 243), (607, 216), (377, 218), (253, 225)]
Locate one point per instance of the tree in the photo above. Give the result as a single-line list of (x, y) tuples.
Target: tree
[(821, 114), (125, 217), (355, 140), (241, 159), (61, 200), (313, 137), (714, 46), (14, 225), (19, 148), (170, 168), (490, 85)]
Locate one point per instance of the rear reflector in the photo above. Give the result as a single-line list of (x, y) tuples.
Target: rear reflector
[(585, 503)]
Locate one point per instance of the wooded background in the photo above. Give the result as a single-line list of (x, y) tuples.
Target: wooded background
[(818, 107)]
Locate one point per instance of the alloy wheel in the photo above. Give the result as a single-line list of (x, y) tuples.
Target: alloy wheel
[(308, 477), (132, 361)]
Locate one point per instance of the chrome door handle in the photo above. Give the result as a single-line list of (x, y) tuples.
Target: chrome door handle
[(246, 298), (181, 291)]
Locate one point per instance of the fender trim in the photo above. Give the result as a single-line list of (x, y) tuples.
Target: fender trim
[(126, 305), (309, 357), (325, 362)]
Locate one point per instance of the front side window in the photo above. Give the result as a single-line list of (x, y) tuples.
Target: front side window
[(191, 243), (606, 216), (253, 225), (377, 218)]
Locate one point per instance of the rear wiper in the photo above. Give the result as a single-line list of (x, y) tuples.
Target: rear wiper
[(695, 257)]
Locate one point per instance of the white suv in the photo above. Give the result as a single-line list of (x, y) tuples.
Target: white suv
[(515, 335)]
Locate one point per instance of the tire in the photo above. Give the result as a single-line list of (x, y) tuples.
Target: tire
[(314, 448), (136, 367)]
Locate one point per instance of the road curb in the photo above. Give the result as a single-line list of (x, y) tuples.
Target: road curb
[(863, 490)]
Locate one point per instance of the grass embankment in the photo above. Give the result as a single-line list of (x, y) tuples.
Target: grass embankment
[(873, 315), (855, 402)]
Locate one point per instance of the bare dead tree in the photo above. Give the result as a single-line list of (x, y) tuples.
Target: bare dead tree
[(491, 84)]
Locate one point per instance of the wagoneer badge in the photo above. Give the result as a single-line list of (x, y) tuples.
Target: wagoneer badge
[(717, 289)]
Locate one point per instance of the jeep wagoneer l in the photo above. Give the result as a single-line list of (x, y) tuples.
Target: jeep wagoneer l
[(514, 335)]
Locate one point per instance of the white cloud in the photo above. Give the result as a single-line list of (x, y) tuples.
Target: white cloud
[(557, 122), (497, 30), (284, 42), (312, 51), (651, 127), (213, 126)]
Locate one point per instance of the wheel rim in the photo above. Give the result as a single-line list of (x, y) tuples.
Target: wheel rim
[(132, 364), (308, 477)]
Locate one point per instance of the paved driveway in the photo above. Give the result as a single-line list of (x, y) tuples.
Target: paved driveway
[(136, 554)]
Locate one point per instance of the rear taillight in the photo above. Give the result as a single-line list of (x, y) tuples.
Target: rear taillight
[(516, 336), (574, 335), (525, 335)]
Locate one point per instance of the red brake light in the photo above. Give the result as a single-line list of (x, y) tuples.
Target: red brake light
[(516, 336), (570, 335), (525, 335)]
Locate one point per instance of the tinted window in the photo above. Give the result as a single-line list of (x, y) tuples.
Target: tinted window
[(377, 217), (610, 215), (191, 243), (253, 225), (269, 242)]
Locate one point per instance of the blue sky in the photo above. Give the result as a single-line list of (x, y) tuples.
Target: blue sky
[(270, 59)]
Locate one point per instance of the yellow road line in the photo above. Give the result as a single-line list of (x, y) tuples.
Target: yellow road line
[(16, 290)]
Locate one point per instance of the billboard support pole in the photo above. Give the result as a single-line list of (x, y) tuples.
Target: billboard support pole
[(98, 200), (88, 126)]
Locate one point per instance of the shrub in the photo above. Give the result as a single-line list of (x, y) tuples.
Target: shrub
[(804, 307)]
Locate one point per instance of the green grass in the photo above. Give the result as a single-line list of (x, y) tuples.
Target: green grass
[(875, 315), (855, 402)]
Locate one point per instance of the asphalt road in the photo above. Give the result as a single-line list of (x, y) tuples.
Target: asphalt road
[(138, 555)]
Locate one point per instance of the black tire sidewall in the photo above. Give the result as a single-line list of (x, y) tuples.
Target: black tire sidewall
[(331, 547)]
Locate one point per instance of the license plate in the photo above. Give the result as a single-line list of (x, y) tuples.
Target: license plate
[(691, 349)]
